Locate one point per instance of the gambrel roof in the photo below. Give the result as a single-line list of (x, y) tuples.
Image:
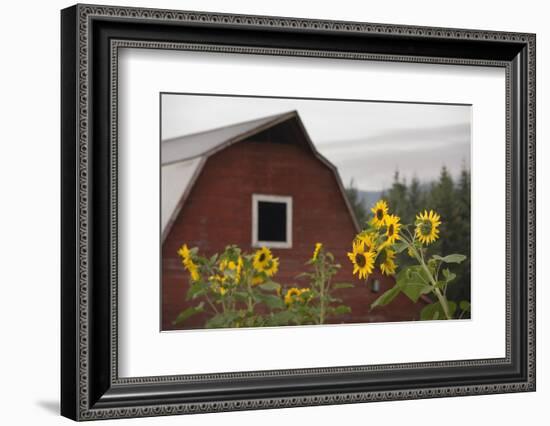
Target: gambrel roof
[(183, 158)]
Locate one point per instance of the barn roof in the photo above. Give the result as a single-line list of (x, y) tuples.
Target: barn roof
[(206, 143), (182, 159)]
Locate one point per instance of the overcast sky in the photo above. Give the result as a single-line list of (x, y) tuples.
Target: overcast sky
[(367, 141)]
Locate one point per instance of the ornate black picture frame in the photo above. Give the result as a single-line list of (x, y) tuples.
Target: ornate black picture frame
[(91, 36)]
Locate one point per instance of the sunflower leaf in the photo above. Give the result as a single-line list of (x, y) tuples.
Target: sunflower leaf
[(342, 309), (270, 300), (413, 283), (304, 275), (196, 289), (222, 320), (281, 318), (270, 286), (451, 258), (386, 297), (448, 275), (342, 285), (189, 312), (400, 246), (414, 290), (435, 311), (464, 305)]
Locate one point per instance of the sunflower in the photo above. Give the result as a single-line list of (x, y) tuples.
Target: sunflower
[(233, 266), (427, 225), (296, 295), (386, 261), (193, 269), (262, 257), (368, 239), (257, 280), (239, 268), (184, 252), (392, 228), (362, 260), (318, 247), (273, 267), (380, 211)]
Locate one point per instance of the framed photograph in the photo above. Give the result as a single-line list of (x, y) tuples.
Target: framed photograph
[(263, 212)]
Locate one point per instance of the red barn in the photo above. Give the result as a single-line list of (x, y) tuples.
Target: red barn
[(220, 186)]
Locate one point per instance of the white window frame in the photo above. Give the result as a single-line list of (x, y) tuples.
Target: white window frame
[(256, 198)]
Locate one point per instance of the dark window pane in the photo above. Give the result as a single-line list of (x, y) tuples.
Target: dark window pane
[(271, 221)]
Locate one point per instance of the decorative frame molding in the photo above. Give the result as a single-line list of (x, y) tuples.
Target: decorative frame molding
[(91, 37)]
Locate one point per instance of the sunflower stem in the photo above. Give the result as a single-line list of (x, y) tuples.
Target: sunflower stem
[(442, 299), (321, 284), (249, 303)]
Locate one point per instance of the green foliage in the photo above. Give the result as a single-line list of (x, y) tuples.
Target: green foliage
[(316, 304), (451, 258), (435, 311), (236, 289), (386, 297), (357, 204), (413, 282), (189, 312)]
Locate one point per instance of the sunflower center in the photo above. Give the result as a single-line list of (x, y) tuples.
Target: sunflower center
[(360, 259), (379, 214), (262, 257), (390, 230), (426, 227)]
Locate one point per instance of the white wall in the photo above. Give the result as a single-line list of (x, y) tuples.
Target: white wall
[(29, 211)]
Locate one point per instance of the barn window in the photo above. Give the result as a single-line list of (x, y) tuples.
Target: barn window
[(271, 221)]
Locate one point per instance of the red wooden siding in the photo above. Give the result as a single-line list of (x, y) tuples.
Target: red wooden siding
[(218, 212)]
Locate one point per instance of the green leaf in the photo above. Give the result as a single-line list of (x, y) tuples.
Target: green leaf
[(270, 300), (448, 275), (222, 320), (464, 305), (304, 275), (196, 290), (451, 258), (386, 297), (414, 290), (400, 246), (281, 318), (342, 285), (189, 312), (270, 286), (435, 311), (415, 274), (412, 283), (240, 295), (342, 309)]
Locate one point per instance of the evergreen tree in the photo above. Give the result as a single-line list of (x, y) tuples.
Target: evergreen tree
[(396, 197), (415, 197), (356, 202)]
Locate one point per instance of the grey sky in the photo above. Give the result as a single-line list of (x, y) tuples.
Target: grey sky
[(367, 141)]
